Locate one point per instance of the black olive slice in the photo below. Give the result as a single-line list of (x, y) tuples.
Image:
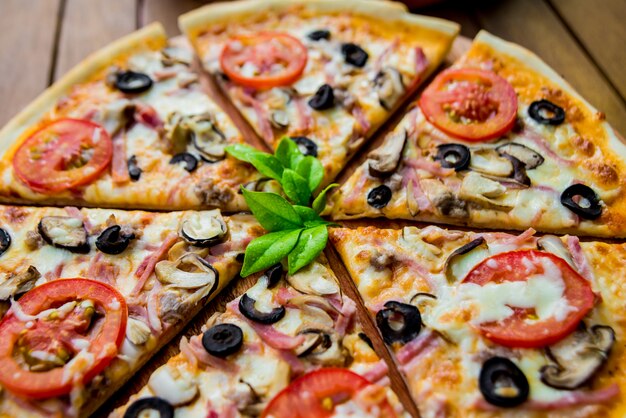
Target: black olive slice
[(274, 274), (319, 34), (5, 240), (324, 98), (191, 162), (240, 257), (246, 307), (160, 405), (379, 196), (222, 340), (502, 383), (546, 112), (588, 205), (113, 241), (354, 54), (399, 322), (317, 344), (455, 156), (64, 232), (305, 145), (131, 82), (134, 172)]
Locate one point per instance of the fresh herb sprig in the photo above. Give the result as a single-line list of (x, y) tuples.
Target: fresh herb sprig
[(296, 230)]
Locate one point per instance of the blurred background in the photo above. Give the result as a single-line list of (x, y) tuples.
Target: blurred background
[(584, 40)]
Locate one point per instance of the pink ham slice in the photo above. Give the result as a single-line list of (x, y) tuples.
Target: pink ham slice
[(146, 267)]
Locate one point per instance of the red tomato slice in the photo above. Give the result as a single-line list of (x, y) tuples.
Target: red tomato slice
[(521, 329), (470, 104), (316, 394), (105, 336), (275, 58), (63, 154)]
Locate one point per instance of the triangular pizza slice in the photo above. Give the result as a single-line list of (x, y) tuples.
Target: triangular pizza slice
[(88, 296), (131, 126), (492, 324), (326, 73), (497, 141)]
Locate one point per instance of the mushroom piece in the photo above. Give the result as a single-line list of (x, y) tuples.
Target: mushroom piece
[(314, 279), (137, 331), (199, 130), (389, 86), (264, 184), (460, 261), (385, 160), (578, 357), (19, 283), (279, 119), (486, 192), (529, 157), (554, 245), (188, 272), (64, 232), (168, 383), (321, 347), (202, 229), (488, 161)]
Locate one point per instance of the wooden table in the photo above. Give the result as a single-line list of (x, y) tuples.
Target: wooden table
[(40, 40)]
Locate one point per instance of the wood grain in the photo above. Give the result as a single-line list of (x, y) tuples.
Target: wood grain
[(534, 25), (88, 25), (26, 56), (166, 12), (590, 23)]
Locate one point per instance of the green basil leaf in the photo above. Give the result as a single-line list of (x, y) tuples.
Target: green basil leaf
[(242, 152), (312, 170), (320, 201), (268, 165), (311, 243), (288, 153), (273, 211), (311, 224), (267, 250), (296, 187), (307, 214)]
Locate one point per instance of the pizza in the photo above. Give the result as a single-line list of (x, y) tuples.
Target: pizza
[(129, 127), (325, 73), (87, 296), (493, 324), (290, 346), (498, 140)]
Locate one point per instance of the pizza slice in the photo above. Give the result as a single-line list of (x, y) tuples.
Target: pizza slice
[(325, 73), (131, 126), (497, 141), (492, 324), (88, 296), (291, 346)]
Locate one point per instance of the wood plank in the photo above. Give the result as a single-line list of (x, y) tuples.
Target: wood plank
[(167, 12), (458, 11), (26, 56), (88, 25), (599, 26), (534, 25)]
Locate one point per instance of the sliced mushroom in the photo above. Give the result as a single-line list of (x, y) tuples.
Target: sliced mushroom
[(488, 161), (115, 115), (486, 192), (279, 119), (389, 86), (171, 56), (204, 229), (199, 130), (554, 245), (385, 160), (263, 184), (321, 347), (519, 171), (315, 341), (578, 357), (463, 258), (168, 383), (188, 272), (177, 132), (529, 157), (444, 199), (137, 331), (314, 279), (64, 232), (19, 283)]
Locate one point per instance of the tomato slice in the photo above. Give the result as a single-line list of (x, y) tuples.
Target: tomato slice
[(470, 104), (316, 394), (104, 336), (522, 329), (63, 154), (263, 60)]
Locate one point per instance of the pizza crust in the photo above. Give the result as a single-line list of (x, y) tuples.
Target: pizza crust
[(152, 36)]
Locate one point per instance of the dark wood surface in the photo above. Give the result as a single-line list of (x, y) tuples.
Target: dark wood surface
[(41, 39)]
